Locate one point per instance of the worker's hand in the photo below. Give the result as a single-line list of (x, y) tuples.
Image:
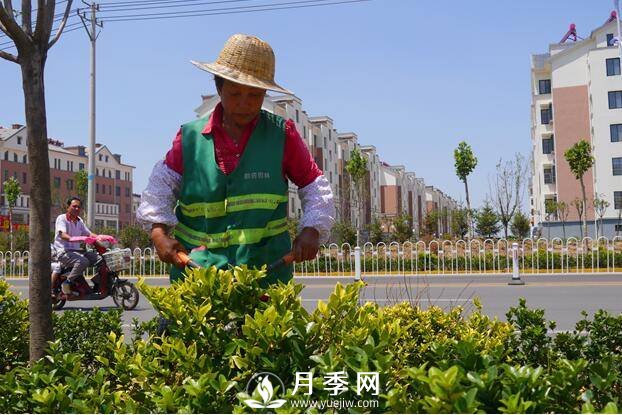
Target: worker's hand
[(306, 244), (167, 247)]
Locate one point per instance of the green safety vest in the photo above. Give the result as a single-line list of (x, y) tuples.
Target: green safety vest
[(241, 218)]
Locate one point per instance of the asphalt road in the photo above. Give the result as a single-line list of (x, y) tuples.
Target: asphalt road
[(562, 296)]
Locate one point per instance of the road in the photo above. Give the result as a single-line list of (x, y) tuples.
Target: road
[(562, 296)]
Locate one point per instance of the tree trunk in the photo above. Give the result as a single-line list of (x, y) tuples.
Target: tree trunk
[(39, 306), (11, 230), (584, 206), (470, 224)]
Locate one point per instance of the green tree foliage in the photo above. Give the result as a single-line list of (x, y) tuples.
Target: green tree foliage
[(430, 223), (459, 222), (81, 179), (580, 160), (487, 221), (402, 225), (465, 163), (520, 225), (357, 169), (376, 234), (12, 191), (134, 236), (345, 233)]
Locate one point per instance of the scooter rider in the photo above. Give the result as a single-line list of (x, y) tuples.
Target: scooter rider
[(71, 256)]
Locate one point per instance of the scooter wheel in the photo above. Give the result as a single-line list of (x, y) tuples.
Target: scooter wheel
[(57, 303), (125, 295)]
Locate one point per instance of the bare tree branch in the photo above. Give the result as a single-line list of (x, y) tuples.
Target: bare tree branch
[(62, 25), (27, 17), (9, 57), (11, 28), (8, 5), (42, 19)]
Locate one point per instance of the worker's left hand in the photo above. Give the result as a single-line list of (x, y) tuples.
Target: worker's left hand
[(306, 244)]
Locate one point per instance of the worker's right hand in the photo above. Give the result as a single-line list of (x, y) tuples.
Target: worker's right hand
[(167, 248)]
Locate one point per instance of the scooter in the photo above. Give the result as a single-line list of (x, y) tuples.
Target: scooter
[(108, 265)]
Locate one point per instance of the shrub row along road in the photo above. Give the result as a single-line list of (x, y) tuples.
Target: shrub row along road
[(562, 296)]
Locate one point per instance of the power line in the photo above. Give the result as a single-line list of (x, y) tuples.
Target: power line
[(154, 4), (215, 12)]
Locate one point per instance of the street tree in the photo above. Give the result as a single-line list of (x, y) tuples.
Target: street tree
[(600, 208), (465, 163), (376, 234), (33, 45), (402, 229), (459, 223), (81, 178), (580, 160), (430, 223), (579, 207), (507, 189), (487, 221), (562, 214), (357, 169), (550, 209), (12, 191), (520, 225)]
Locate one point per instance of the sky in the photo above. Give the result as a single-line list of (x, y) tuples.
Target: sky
[(411, 77)]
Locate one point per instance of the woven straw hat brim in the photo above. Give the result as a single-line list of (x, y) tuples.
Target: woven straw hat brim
[(236, 76)]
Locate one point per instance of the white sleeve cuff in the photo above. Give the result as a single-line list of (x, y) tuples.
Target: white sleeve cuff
[(318, 207), (157, 204)]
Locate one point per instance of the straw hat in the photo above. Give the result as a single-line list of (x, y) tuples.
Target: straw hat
[(246, 60)]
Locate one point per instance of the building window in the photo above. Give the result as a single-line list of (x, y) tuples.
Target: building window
[(19, 141), (613, 66), (69, 184), (616, 163), (117, 190), (118, 174), (546, 115), (297, 116), (100, 157), (56, 182), (110, 174), (544, 86), (25, 159), (81, 166), (96, 172), (106, 159), (314, 140), (15, 157), (6, 155), (96, 187), (24, 177), (616, 132), (617, 200), (549, 175), (615, 99), (548, 146), (610, 41), (127, 192), (325, 145)]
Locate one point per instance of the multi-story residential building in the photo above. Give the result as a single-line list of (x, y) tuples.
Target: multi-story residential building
[(577, 94), (113, 178), (437, 201)]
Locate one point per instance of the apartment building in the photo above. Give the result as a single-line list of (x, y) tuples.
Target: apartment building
[(113, 178), (577, 94), (437, 201)]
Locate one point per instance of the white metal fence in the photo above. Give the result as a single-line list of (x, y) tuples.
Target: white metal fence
[(413, 258)]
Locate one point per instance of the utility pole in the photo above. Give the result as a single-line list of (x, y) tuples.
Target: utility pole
[(93, 35)]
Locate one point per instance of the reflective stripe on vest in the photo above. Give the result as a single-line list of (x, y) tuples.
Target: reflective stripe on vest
[(230, 237), (232, 204)]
